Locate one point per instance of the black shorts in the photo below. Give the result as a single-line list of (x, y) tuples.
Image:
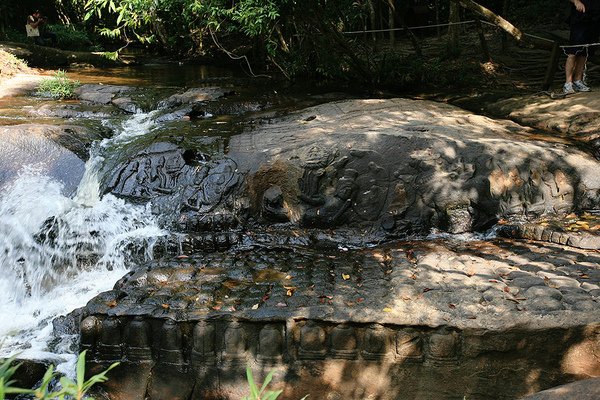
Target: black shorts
[(585, 29)]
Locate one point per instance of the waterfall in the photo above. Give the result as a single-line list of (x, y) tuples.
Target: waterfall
[(57, 252)]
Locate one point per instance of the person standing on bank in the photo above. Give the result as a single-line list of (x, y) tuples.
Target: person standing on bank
[(585, 29), (35, 29)]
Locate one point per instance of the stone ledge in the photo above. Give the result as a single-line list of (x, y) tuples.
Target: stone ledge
[(406, 320)]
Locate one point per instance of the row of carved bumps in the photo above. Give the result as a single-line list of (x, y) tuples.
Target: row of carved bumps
[(206, 342)]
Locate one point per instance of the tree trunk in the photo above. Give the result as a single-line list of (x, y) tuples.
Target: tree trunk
[(453, 30), (491, 17), (504, 39), (372, 17), (411, 35), (504, 24), (392, 22)]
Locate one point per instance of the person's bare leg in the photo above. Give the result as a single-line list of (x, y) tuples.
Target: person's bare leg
[(570, 68), (579, 66)]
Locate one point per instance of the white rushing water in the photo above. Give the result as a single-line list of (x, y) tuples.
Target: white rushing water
[(56, 252)]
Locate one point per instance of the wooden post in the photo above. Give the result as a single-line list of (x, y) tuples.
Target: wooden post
[(552, 66), (484, 46)]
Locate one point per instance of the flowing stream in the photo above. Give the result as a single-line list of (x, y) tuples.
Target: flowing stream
[(57, 252)]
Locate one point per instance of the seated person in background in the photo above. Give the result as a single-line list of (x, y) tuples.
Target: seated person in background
[(35, 29)]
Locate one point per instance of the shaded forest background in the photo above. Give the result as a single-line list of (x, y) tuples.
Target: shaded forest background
[(317, 39)]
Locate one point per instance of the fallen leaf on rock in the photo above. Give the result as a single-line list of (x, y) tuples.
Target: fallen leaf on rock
[(360, 299), (255, 307), (452, 306), (112, 303), (472, 317), (280, 305), (345, 277), (387, 309), (410, 255), (584, 276), (350, 303), (506, 289), (324, 296), (427, 290), (165, 306), (290, 289), (182, 256), (216, 308), (288, 277)]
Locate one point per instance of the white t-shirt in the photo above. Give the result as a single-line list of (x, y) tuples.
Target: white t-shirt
[(31, 31)]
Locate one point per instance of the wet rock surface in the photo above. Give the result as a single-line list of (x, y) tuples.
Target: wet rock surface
[(393, 167), (582, 231), (576, 117), (588, 389), (38, 146), (446, 311)]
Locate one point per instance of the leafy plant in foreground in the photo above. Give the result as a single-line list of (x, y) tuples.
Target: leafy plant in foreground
[(69, 389), (59, 86), (262, 393)]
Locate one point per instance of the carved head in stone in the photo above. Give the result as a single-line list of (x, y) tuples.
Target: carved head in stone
[(346, 185), (174, 163)]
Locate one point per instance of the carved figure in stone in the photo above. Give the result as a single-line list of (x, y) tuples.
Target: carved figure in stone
[(126, 174), (174, 168), (372, 193), (159, 178), (310, 186), (211, 183), (142, 180), (333, 207), (273, 205), (316, 159), (193, 197)]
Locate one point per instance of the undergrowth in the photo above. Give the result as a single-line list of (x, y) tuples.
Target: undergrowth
[(58, 87)]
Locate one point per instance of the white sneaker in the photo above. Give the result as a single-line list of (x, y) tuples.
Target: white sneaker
[(568, 88), (579, 86)]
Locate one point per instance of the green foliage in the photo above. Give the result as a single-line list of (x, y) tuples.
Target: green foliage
[(262, 393), (69, 389), (70, 37), (58, 87)]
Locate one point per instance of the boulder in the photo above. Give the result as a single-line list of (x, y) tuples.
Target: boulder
[(37, 146), (395, 167), (588, 389)]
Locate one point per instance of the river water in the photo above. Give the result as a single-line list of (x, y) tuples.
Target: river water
[(56, 251)]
